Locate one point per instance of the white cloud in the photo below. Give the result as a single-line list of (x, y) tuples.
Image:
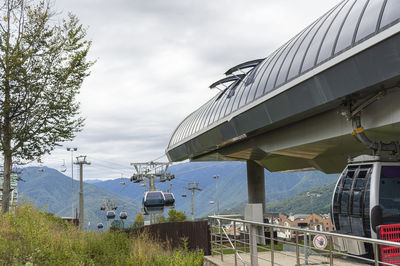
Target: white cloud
[(155, 61)]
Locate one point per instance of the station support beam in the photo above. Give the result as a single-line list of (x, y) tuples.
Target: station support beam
[(256, 183)]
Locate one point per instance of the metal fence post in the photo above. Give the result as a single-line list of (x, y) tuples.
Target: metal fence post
[(220, 240), (330, 251), (234, 241), (376, 256), (253, 245), (212, 238), (297, 249), (305, 238), (271, 230)]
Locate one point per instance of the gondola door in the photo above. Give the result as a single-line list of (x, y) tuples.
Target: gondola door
[(351, 200)]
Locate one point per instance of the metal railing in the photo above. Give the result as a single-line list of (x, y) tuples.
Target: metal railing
[(250, 248)]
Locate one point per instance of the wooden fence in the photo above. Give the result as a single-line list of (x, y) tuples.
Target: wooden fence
[(197, 234)]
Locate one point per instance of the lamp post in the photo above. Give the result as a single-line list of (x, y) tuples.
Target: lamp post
[(72, 175), (311, 195), (216, 192)]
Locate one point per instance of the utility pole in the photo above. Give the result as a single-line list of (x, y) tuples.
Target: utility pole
[(81, 160), (151, 171), (193, 186), (72, 176)]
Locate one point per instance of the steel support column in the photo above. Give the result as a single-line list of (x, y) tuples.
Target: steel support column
[(256, 183)]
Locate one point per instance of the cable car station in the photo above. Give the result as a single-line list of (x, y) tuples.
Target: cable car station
[(327, 99)]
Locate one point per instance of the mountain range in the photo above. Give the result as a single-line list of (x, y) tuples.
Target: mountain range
[(52, 188), (49, 189)]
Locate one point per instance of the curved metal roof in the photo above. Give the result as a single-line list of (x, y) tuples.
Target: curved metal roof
[(346, 26)]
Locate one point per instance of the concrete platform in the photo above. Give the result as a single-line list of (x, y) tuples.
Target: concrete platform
[(281, 258)]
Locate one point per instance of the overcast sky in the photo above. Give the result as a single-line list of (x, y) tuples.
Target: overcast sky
[(155, 61)]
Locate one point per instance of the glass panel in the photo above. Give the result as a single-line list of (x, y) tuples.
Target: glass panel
[(283, 72), (225, 99), (370, 19), (182, 134), (348, 180), (309, 60), (193, 123), (337, 194), (330, 37), (264, 75), (347, 32), (223, 107), (251, 89), (215, 113), (345, 202), (239, 92), (274, 72), (298, 58), (205, 116), (179, 132), (228, 106), (389, 196), (202, 111), (365, 207), (243, 97), (356, 226), (344, 222), (391, 13), (356, 204), (360, 184), (258, 72), (211, 113)]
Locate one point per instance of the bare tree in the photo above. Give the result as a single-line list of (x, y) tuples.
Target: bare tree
[(42, 66)]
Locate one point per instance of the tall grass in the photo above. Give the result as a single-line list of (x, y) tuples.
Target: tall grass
[(31, 236)]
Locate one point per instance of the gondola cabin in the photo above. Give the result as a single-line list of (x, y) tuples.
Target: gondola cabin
[(153, 202), (367, 194), (110, 215), (169, 199), (123, 215)]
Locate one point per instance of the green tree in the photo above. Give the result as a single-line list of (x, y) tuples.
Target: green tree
[(161, 218), (43, 62), (139, 220), (176, 216)]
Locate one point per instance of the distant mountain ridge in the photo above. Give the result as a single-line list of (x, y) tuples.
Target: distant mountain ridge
[(54, 189), (49, 189), (232, 185)]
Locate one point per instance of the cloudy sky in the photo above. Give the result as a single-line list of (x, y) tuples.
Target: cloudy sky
[(155, 61)]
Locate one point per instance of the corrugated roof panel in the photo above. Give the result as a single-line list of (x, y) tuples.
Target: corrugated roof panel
[(348, 24)]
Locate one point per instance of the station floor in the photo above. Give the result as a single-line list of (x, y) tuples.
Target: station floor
[(285, 258)]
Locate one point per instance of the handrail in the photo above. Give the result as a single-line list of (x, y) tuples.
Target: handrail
[(358, 238), (230, 242)]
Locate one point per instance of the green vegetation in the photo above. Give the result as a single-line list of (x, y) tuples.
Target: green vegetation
[(176, 216), (30, 236), (302, 204), (173, 216), (299, 203), (43, 64), (139, 220)]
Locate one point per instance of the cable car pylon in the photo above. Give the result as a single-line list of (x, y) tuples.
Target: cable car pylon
[(193, 186), (153, 199)]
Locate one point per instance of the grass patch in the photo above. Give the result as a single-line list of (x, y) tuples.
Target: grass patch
[(31, 236)]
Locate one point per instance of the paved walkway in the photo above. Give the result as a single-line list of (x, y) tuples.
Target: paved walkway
[(285, 258)]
